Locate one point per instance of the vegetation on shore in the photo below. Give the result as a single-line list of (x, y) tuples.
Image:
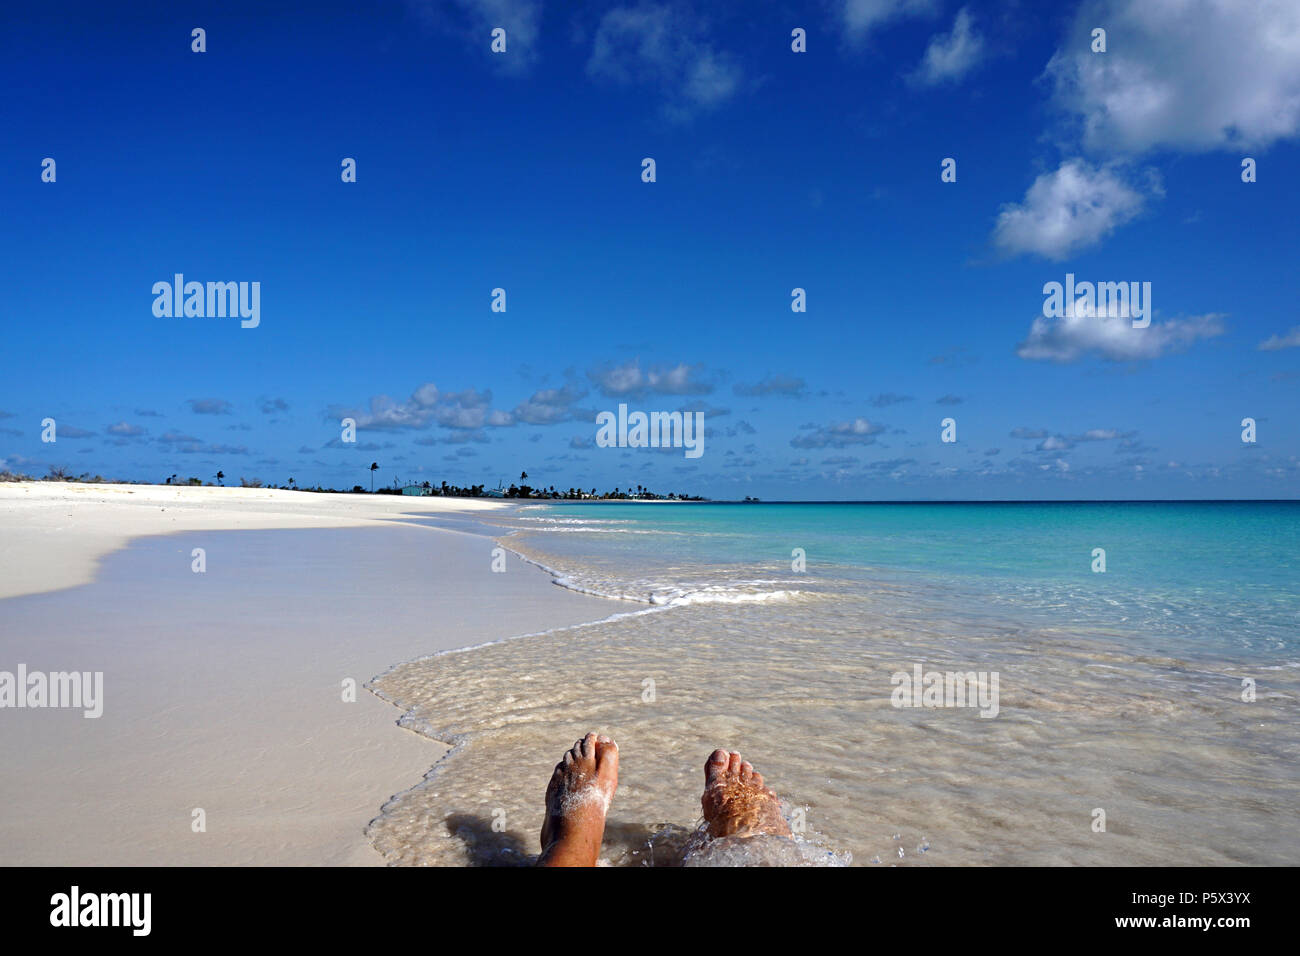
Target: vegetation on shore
[(443, 489)]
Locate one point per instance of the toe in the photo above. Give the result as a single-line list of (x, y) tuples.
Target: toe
[(733, 764), (606, 755), (757, 780), (587, 746), (715, 767), (746, 771)]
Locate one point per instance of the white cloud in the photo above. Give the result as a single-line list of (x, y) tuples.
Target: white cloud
[(863, 16), (1076, 206), (1182, 74), (951, 56), (860, 431), (1064, 443), (629, 380), (654, 44), (1113, 337), (467, 409), (549, 406), (1275, 342)]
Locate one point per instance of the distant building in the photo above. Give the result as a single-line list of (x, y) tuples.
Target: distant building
[(416, 490)]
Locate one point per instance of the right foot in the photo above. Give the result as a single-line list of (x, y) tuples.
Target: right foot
[(577, 799), (735, 801)]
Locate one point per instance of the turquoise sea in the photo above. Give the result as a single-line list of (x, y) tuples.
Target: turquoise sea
[(1147, 715), (1189, 577)]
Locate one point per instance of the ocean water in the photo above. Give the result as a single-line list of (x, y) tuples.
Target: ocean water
[(1146, 714)]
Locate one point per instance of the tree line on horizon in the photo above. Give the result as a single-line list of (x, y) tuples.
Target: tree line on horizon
[(444, 489)]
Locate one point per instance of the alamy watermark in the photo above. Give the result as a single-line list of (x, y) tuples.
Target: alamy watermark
[(128, 910), (1122, 300), (946, 689), (71, 689), (652, 430), (211, 300)]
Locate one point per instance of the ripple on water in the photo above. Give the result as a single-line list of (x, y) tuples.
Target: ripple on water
[(802, 688)]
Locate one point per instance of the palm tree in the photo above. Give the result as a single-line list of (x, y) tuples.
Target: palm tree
[(220, 475), (374, 467), (523, 476)]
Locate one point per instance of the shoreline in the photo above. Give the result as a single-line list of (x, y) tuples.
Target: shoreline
[(222, 689), (37, 557)]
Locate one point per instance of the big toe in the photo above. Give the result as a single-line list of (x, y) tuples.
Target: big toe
[(715, 768), (606, 756)]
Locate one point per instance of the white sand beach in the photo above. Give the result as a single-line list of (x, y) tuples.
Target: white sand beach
[(54, 533), (222, 690)]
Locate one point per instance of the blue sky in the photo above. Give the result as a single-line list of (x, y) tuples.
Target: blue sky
[(775, 170)]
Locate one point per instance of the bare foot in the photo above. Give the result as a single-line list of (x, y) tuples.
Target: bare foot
[(735, 801), (577, 799)]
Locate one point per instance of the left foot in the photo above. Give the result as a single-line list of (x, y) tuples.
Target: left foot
[(577, 800), (736, 801)]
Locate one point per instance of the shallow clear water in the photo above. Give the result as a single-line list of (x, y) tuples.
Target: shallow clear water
[(1118, 692)]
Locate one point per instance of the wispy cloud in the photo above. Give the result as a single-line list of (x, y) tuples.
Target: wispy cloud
[(950, 56), (1274, 343), (861, 17), (784, 385), (885, 399), (209, 406), (214, 450), (178, 438), (474, 20), (954, 357), (661, 45)]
